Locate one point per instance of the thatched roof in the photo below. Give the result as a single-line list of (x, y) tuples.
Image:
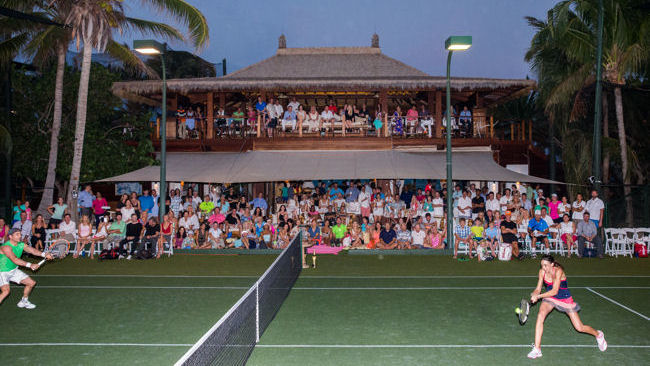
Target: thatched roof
[(321, 69)]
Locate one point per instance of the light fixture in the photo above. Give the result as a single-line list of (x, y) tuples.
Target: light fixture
[(458, 43), (148, 47)]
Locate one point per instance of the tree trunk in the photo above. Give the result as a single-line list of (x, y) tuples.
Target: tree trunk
[(618, 99), (48, 190), (606, 135), (82, 104)]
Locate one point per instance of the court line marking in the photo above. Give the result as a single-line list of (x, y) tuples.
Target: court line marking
[(457, 288), (440, 346), (142, 287), (322, 288), (618, 303), (138, 276), (74, 344), (321, 277)]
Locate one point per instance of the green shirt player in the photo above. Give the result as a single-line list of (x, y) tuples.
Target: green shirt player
[(10, 253)]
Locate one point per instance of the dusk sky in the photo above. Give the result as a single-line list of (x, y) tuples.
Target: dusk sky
[(412, 31)]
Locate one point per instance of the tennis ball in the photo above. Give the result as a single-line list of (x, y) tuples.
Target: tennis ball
[(517, 311), (380, 257)]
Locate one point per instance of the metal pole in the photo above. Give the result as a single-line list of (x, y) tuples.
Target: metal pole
[(596, 150), (162, 195), (450, 210)]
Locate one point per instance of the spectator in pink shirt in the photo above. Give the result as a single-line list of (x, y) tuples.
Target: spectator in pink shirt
[(553, 209), (412, 118), (98, 207)]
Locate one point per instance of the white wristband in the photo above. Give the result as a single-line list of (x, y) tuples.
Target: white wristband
[(43, 254), (28, 265)]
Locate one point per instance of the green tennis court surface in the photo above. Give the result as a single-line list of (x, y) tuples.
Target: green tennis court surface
[(351, 310)]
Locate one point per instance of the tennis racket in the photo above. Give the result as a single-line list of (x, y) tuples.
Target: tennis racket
[(522, 311), (58, 250)]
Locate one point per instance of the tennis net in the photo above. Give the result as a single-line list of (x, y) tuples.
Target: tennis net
[(232, 339)]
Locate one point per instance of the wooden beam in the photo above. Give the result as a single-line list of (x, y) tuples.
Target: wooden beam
[(491, 126), (174, 108), (530, 130), (222, 100), (512, 131), (383, 100), (438, 115), (210, 115), (259, 125), (523, 129)]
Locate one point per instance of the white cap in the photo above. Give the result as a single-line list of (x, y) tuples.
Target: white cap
[(538, 212)]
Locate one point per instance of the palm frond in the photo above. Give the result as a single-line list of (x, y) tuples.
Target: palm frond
[(11, 47), (124, 54), (154, 28), (188, 15)]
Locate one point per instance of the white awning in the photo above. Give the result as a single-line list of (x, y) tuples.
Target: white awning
[(296, 165)]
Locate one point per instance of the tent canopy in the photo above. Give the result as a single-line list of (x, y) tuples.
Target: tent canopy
[(270, 166)]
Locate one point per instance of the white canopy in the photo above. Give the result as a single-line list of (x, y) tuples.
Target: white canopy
[(296, 165)]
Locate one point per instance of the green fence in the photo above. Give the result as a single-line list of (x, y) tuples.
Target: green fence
[(615, 206)]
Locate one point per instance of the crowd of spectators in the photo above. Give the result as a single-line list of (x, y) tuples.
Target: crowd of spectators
[(293, 117), (352, 215)]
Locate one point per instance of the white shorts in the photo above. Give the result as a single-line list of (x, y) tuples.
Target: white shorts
[(15, 275)]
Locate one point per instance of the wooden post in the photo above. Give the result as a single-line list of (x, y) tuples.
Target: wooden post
[(259, 125), (210, 115), (158, 122), (174, 108), (222, 100), (523, 130), (343, 120), (386, 124), (491, 126), (383, 100), (432, 104), (530, 130), (438, 114), (512, 131)]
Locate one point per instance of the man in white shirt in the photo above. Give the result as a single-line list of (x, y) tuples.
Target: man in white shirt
[(215, 236), (327, 118), (465, 206), (289, 119), (24, 225), (438, 208), (492, 204), (196, 200), (552, 227), (578, 208), (364, 203), (272, 117), (68, 228), (417, 236), (596, 208), (294, 104), (505, 201)]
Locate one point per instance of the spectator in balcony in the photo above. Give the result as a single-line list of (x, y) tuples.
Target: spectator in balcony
[(332, 107), (398, 122), (181, 115), (57, 211), (260, 106), (289, 118), (348, 117), (587, 232), (596, 209), (327, 118), (301, 116), (238, 118), (272, 114), (466, 122), (412, 118), (190, 122), (426, 121), (377, 123), (251, 116), (313, 120)]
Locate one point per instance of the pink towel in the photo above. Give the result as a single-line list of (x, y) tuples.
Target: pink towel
[(324, 249)]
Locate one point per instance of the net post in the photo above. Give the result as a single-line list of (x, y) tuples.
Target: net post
[(257, 311)]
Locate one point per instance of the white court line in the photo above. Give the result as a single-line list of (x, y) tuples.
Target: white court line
[(454, 288), (441, 346), (320, 277), (144, 287), (138, 276), (471, 276), (98, 344), (618, 303), (326, 345)]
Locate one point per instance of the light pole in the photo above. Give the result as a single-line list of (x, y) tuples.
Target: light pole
[(151, 47), (596, 151), (453, 43)]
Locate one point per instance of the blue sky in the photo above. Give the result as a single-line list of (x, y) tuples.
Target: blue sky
[(412, 31)]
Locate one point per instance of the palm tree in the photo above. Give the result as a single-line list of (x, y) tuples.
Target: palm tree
[(570, 34), (93, 23)]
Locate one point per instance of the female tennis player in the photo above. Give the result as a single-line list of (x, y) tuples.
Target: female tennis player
[(557, 296)]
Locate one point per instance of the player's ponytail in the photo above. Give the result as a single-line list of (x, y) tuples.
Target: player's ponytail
[(549, 258)]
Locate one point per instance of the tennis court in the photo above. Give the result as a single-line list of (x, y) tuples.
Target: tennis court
[(351, 310)]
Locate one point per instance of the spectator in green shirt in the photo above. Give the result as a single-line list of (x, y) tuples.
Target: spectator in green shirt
[(116, 231), (207, 205), (339, 231)]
